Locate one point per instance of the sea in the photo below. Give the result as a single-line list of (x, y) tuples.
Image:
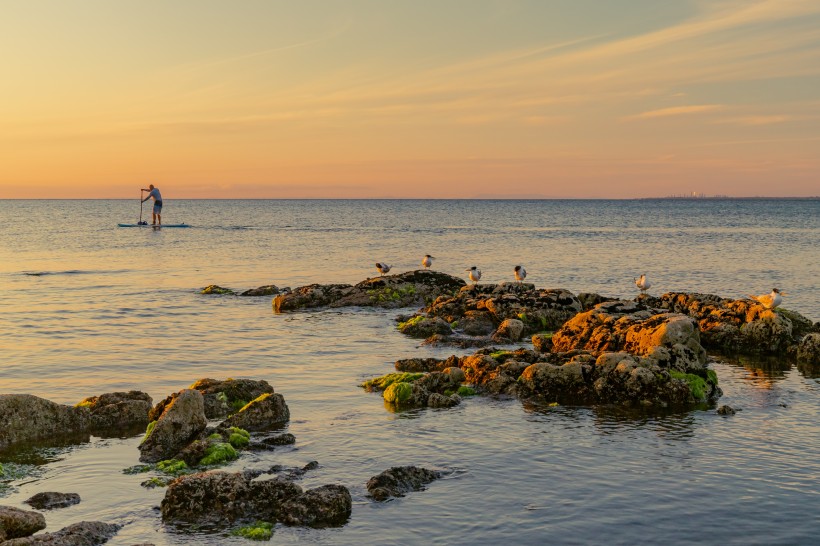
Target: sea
[(87, 307)]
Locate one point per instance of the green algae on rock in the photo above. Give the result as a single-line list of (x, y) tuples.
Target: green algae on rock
[(381, 383), (398, 393), (261, 530), (218, 454), (217, 290)]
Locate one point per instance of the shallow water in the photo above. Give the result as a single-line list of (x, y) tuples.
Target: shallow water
[(88, 308)]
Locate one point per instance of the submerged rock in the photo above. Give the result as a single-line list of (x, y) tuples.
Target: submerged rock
[(220, 499), (726, 410), (50, 500), (218, 290), (182, 420), (391, 291), (267, 290), (16, 523), (398, 480), (85, 533)]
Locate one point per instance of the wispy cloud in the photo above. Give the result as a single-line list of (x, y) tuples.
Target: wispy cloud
[(677, 111)]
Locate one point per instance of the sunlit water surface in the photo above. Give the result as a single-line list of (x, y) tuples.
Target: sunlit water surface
[(88, 308)]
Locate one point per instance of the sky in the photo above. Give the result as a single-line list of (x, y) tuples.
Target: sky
[(409, 99)]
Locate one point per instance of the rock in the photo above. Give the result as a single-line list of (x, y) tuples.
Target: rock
[(391, 291), (24, 418), (218, 290), (671, 339), (436, 400), (542, 342), (808, 351), (219, 498), (726, 410), (267, 290), (421, 327), (16, 523), (263, 413), (279, 440), (117, 410), (320, 507), (85, 533), (509, 330), (737, 325), (229, 396), (398, 480), (50, 500), (590, 300), (415, 365), (182, 420)]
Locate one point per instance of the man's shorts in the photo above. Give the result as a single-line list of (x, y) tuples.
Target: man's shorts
[(157, 207)]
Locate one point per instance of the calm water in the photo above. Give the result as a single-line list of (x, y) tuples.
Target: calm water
[(114, 309)]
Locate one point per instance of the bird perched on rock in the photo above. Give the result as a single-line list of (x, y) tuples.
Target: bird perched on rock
[(475, 274), (383, 268), (520, 273), (427, 261), (643, 283), (770, 301)]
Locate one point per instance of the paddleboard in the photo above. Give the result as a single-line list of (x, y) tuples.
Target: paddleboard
[(149, 225)]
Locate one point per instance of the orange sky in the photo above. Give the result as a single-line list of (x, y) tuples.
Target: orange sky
[(210, 99)]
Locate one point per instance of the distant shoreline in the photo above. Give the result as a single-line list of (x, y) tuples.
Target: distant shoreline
[(668, 198)]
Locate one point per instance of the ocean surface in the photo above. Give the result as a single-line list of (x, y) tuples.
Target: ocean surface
[(87, 308)]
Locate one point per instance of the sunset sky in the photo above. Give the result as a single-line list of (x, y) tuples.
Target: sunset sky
[(439, 99)]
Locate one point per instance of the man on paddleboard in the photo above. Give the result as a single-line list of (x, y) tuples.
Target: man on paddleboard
[(156, 218)]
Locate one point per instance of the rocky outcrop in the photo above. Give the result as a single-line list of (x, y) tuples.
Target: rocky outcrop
[(16, 523), (223, 398), (220, 499), (267, 290), (672, 340), (265, 412), (398, 480), (391, 291), (181, 421), (118, 409), (50, 500), (481, 314), (736, 325), (409, 390), (85, 533), (215, 289)]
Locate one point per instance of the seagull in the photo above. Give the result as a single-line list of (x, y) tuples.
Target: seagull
[(475, 274), (383, 268), (643, 283), (520, 273), (770, 301), (427, 261)]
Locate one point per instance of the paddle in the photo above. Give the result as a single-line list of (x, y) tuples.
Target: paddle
[(140, 222)]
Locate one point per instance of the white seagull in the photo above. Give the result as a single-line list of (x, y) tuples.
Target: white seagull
[(383, 268), (520, 273), (643, 283), (770, 301), (475, 274), (427, 261)]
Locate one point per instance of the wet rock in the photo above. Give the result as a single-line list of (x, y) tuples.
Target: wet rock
[(24, 418), (726, 410), (85, 533), (415, 365), (50, 500), (808, 351), (320, 507), (279, 440), (509, 331), (421, 327), (182, 420), (391, 291), (217, 290), (671, 339), (229, 396), (16, 523), (267, 290), (117, 409), (436, 400), (219, 498), (476, 323), (542, 342), (398, 480), (589, 300), (265, 412)]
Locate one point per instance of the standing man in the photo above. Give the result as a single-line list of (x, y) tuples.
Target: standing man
[(156, 218)]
